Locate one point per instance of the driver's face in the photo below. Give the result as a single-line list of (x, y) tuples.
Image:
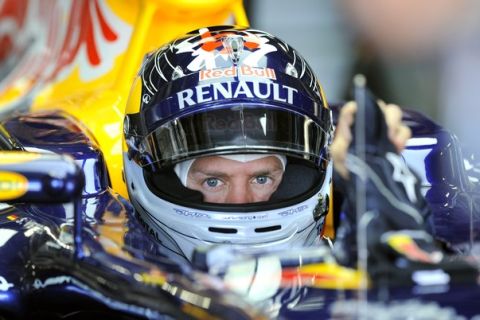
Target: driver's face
[(223, 180)]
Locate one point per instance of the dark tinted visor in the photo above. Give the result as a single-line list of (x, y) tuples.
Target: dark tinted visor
[(238, 129)]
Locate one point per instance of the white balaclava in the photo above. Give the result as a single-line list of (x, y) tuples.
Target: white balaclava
[(182, 168)]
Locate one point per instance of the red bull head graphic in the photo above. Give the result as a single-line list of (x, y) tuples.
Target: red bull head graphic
[(213, 49)]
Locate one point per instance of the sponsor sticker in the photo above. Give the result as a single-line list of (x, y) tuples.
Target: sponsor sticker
[(12, 185), (209, 74), (233, 71), (191, 214), (232, 90), (60, 280), (291, 211)]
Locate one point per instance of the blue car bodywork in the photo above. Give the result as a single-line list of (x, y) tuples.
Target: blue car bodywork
[(69, 256)]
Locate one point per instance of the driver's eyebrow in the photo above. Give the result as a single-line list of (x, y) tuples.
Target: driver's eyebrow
[(208, 173), (265, 172)]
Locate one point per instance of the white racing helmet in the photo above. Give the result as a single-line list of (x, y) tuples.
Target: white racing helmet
[(227, 91)]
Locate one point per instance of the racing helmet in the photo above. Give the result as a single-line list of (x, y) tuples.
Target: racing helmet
[(226, 91)]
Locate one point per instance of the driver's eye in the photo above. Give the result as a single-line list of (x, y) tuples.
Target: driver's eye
[(212, 182), (261, 179)]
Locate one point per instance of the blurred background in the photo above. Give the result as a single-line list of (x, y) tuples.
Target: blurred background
[(423, 55)]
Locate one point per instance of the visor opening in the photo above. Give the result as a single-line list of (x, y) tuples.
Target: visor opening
[(301, 181)]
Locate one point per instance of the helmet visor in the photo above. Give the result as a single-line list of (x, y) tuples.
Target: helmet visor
[(238, 129)]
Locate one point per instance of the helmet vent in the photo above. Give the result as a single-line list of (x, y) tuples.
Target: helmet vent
[(146, 98), (234, 47), (222, 230), (177, 73), (291, 71), (268, 229)]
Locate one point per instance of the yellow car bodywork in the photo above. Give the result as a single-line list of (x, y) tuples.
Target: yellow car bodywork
[(101, 52)]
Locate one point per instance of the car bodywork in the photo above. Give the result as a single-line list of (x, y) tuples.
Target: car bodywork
[(83, 250)]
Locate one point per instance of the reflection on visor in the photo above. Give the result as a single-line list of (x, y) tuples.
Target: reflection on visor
[(238, 128)]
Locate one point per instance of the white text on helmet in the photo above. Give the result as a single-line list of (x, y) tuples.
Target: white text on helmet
[(232, 90)]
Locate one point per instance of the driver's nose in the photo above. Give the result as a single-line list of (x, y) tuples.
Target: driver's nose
[(240, 193)]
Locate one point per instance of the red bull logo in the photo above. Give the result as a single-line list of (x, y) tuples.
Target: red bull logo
[(242, 71), (213, 49)]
